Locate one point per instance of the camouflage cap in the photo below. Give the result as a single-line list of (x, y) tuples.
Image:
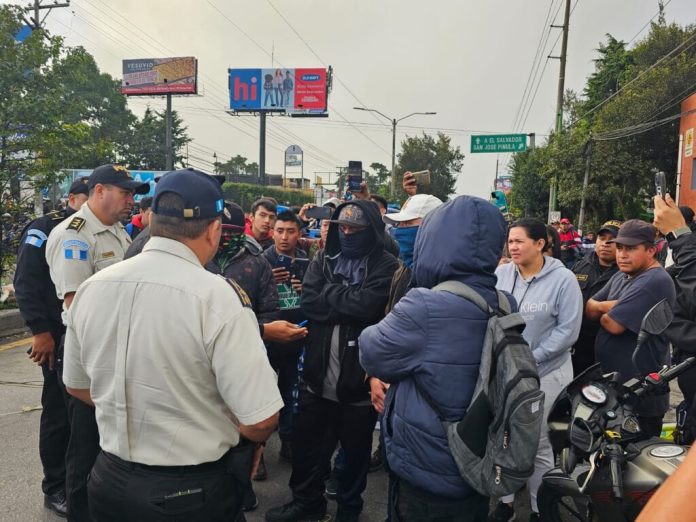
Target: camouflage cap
[(352, 216)]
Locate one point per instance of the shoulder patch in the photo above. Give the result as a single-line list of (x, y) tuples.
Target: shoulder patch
[(582, 277), (75, 250), (38, 233), (76, 224), (243, 297)]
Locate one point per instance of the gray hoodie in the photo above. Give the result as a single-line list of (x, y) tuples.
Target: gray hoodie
[(551, 305)]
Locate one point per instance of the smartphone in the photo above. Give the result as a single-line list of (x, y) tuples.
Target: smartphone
[(299, 267), (422, 178), (660, 185), (355, 176), (319, 212), (303, 323), (284, 262)]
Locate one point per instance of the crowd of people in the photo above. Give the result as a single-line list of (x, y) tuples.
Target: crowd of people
[(174, 346)]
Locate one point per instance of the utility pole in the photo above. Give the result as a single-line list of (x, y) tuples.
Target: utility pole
[(168, 135), (585, 183), (553, 192), (262, 148), (36, 21)]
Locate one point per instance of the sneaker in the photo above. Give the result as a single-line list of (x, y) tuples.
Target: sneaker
[(285, 450), (261, 472), (331, 487), (295, 512), (57, 503), (376, 460), (250, 501), (502, 513)]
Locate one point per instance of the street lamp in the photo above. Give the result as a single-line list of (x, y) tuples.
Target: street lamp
[(393, 121)]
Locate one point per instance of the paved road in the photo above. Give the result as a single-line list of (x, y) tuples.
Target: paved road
[(20, 469)]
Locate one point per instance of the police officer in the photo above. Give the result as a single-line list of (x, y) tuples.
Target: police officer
[(174, 390), (592, 272), (40, 308), (88, 241)]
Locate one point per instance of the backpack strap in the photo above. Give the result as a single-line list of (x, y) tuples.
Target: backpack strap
[(465, 291)]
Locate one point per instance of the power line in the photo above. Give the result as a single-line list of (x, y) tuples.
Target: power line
[(638, 129), (648, 22), (537, 56)]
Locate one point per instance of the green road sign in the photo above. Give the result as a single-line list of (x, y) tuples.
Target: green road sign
[(499, 143)]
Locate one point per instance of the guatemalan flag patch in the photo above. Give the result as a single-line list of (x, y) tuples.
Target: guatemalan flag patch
[(35, 238), (75, 250)]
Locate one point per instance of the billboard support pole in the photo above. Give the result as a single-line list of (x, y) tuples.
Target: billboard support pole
[(168, 139), (262, 149)]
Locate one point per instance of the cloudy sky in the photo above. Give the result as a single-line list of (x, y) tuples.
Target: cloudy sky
[(468, 61)]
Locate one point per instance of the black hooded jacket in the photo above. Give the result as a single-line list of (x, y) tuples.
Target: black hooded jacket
[(327, 302)]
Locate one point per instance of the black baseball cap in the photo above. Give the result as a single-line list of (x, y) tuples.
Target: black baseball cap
[(79, 186), (233, 216), (118, 176), (612, 227), (202, 194), (634, 232)]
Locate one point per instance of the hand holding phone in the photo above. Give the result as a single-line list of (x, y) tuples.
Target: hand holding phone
[(319, 212), (355, 176), (660, 185), (422, 178)]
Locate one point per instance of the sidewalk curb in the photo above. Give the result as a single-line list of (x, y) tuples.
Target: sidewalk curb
[(11, 323)]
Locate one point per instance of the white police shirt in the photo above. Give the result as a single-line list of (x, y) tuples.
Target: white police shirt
[(172, 357), (80, 246)]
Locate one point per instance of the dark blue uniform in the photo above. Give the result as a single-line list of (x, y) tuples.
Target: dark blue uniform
[(41, 310)]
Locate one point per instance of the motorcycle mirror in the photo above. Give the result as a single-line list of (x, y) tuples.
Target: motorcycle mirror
[(655, 322), (658, 318), (581, 435)]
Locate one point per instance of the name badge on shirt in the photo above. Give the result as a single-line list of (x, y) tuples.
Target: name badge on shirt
[(107, 255), (75, 250), (581, 277)]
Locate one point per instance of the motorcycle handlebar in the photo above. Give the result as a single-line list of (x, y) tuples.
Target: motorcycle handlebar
[(614, 453), (668, 375)]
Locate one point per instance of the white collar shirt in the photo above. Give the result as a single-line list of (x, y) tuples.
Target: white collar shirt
[(173, 360)]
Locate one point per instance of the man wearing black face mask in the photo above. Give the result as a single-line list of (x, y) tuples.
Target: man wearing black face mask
[(345, 289)]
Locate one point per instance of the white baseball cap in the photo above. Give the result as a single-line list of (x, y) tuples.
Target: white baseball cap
[(417, 206)]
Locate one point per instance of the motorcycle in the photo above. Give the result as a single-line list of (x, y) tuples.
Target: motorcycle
[(608, 469)]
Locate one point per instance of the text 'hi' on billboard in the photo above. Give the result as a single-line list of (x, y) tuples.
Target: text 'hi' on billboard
[(298, 91)]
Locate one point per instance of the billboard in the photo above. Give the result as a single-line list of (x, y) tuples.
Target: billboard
[(157, 76), (291, 91)]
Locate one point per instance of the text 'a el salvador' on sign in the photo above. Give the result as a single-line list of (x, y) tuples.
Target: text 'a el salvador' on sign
[(499, 143)]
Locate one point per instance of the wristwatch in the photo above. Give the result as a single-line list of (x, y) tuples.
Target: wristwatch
[(674, 234)]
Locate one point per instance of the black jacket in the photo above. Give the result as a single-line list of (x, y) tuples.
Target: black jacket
[(36, 294), (327, 302), (250, 270), (591, 277), (682, 332)]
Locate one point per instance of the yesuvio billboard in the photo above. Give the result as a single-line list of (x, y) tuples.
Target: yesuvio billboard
[(157, 76), (293, 91)]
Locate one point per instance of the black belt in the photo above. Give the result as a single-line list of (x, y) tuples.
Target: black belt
[(206, 467)]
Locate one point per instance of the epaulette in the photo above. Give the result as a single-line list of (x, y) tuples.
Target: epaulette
[(243, 297), (56, 215), (76, 224)]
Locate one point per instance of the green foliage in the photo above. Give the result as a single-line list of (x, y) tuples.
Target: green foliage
[(59, 111), (621, 170), (237, 166), (146, 150), (245, 194), (436, 155)]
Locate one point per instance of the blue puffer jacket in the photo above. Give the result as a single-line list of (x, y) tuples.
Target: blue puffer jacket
[(435, 338)]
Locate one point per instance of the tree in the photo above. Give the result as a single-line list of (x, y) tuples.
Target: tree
[(629, 140), (146, 149), (436, 155), (237, 166), (379, 182)]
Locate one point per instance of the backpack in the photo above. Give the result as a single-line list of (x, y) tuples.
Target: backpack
[(494, 445)]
